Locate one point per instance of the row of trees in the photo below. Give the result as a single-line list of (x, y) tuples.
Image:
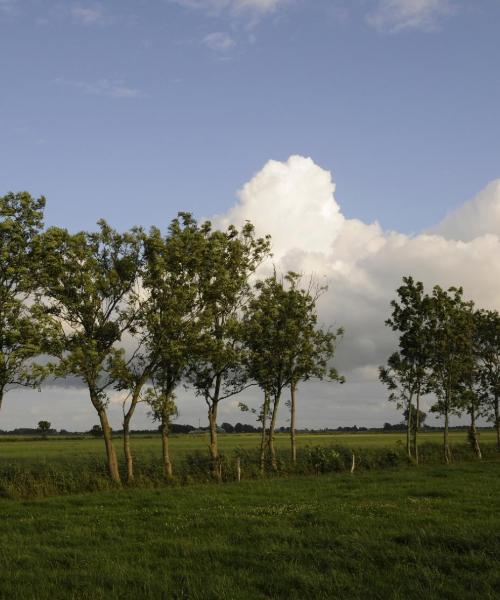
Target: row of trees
[(448, 349), (142, 313)]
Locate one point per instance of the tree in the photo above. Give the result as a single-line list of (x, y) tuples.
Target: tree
[(449, 344), (228, 259), (96, 431), (43, 427), (163, 409), (399, 377), (25, 329), (410, 318), (166, 323), (88, 279), (284, 346), (228, 428), (416, 420), (487, 352)]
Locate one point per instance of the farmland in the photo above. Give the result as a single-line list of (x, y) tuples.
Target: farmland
[(406, 533), (70, 450)]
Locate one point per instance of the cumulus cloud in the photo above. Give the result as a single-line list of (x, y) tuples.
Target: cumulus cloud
[(294, 201), (475, 218), (396, 15)]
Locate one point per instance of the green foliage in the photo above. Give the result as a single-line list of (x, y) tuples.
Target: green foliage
[(285, 344), (89, 283), (25, 329)]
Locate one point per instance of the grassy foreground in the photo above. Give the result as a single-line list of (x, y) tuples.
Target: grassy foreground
[(432, 532)]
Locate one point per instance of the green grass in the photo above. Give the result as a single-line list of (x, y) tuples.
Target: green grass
[(432, 532), (71, 450)]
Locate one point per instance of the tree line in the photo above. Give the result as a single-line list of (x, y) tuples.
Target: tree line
[(448, 349), (143, 312)]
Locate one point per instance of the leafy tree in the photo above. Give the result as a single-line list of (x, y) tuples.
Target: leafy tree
[(449, 344), (167, 323), (487, 354), (228, 259), (410, 318), (25, 329), (228, 428), (96, 431), (399, 377), (43, 427), (416, 420), (285, 346), (88, 280)]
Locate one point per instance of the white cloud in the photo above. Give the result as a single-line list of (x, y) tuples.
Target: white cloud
[(88, 15), (219, 41), (234, 6), (475, 218), (396, 15), (111, 88), (294, 201)]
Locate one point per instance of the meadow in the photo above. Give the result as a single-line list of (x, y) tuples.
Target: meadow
[(431, 532), (28, 451)]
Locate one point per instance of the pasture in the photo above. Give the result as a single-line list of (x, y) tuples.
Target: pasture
[(76, 451), (432, 532)]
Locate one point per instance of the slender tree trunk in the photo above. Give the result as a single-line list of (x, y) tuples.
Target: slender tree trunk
[(497, 421), (416, 428), (127, 418), (114, 472), (265, 410), (408, 427), (270, 439), (167, 464), (1, 398), (446, 444), (127, 451), (473, 433), (214, 447), (293, 439)]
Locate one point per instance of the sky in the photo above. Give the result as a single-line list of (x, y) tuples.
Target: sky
[(363, 135)]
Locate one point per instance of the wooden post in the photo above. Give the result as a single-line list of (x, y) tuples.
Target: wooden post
[(238, 469), (353, 465)]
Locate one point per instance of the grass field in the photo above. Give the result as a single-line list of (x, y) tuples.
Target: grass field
[(432, 532), (57, 450)]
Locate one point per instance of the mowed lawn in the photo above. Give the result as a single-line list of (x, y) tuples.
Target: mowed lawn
[(432, 532), (77, 451)]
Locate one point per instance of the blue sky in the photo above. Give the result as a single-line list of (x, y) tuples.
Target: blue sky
[(134, 109)]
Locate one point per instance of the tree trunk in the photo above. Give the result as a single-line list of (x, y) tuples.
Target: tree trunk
[(214, 447), (167, 464), (292, 424), (473, 433), (497, 421), (408, 427), (127, 418), (416, 428), (127, 451), (270, 439), (265, 410), (114, 472), (446, 444)]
